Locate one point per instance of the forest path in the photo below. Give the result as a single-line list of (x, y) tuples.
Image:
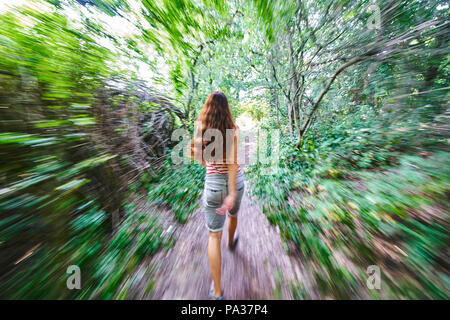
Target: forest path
[(259, 268)]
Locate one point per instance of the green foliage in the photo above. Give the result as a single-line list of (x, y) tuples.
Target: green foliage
[(343, 218), (138, 237), (179, 25)]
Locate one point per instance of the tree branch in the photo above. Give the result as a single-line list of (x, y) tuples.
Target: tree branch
[(324, 91)]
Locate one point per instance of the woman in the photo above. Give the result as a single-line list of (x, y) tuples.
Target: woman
[(224, 180)]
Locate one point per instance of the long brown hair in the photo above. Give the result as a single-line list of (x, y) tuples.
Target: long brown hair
[(215, 114)]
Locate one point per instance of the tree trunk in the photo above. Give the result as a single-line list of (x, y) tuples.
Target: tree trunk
[(294, 83), (274, 102)]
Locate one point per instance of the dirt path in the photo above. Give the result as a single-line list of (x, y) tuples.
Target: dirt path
[(259, 268)]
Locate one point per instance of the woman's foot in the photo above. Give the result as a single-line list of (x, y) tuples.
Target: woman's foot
[(216, 296)]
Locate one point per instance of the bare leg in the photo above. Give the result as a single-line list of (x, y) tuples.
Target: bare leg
[(232, 224), (215, 260)]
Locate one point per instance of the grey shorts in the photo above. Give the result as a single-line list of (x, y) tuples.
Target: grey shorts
[(215, 191)]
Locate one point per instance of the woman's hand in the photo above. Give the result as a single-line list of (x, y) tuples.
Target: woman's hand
[(227, 205)]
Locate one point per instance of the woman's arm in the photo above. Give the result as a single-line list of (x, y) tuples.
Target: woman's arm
[(232, 177), (233, 167)]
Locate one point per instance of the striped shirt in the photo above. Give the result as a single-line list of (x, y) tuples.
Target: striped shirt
[(218, 168)]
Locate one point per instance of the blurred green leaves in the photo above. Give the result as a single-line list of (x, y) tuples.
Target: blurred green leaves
[(61, 191), (394, 217)]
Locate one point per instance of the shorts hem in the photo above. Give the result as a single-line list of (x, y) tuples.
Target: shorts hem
[(214, 230)]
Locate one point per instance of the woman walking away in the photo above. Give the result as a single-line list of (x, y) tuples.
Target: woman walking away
[(224, 180)]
